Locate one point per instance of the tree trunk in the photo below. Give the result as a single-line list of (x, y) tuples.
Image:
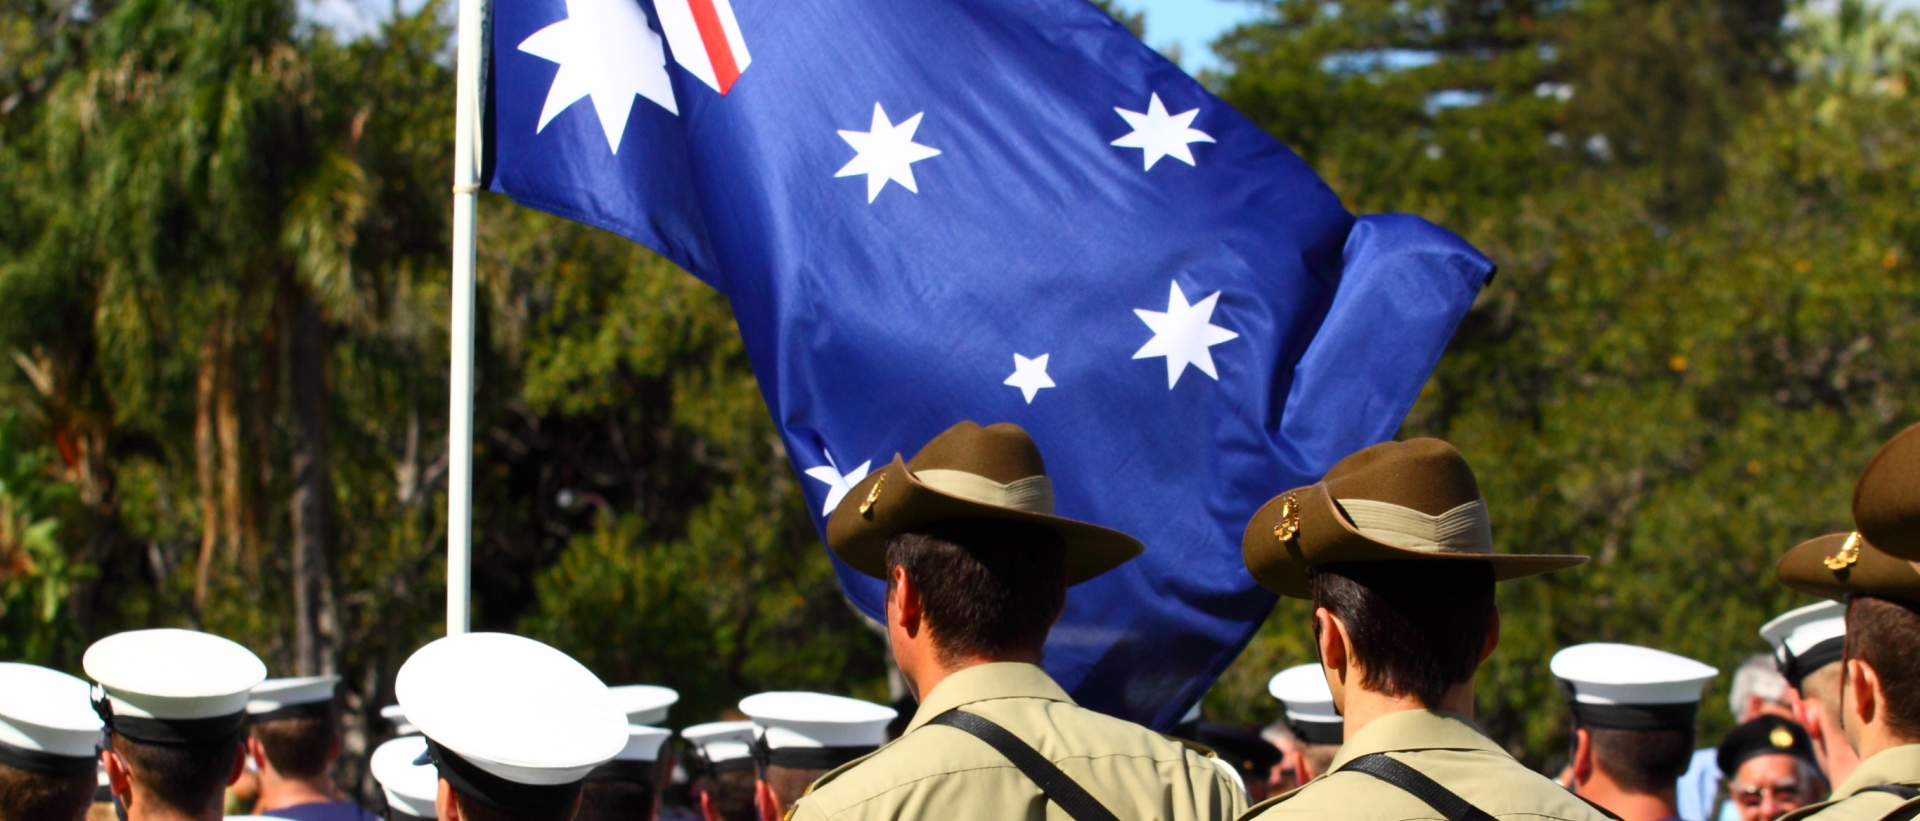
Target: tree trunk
[(312, 490), (227, 429), (205, 457)]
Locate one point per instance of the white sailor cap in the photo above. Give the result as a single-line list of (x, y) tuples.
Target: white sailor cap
[(409, 781), (644, 704), (397, 716), (172, 687), (278, 699), (47, 725), (510, 722), (1626, 687), (815, 731), (636, 761), (722, 746), (1806, 639), (1303, 691)]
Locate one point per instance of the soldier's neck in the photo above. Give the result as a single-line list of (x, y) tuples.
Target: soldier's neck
[(145, 807), (1629, 805), (1363, 706), (924, 671)]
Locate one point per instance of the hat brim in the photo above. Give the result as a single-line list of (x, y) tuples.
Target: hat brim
[(858, 530), (1873, 573), (1324, 536)]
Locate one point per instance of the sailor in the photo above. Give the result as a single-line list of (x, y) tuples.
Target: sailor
[(1395, 549), (1634, 712), (645, 704), (1879, 674), (721, 754), (1808, 643), (800, 736), (1770, 768), (293, 740), (175, 706), (977, 567), (1316, 726), (407, 778), (512, 726), (47, 738), (628, 787)]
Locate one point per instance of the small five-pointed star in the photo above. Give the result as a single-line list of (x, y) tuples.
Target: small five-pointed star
[(607, 52), (1030, 375), (837, 484), (886, 152), (1159, 134), (1183, 334)]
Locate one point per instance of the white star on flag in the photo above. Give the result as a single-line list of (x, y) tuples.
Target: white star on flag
[(1183, 334), (1030, 375), (1159, 134), (886, 152), (837, 483), (607, 52)]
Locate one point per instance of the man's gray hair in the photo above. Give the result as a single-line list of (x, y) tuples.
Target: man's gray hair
[(1758, 677)]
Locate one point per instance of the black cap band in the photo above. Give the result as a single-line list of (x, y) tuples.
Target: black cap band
[(1636, 716), (1319, 732), (698, 762), (169, 732), (41, 762), (311, 709), (638, 772), (479, 785), (806, 758), (1796, 667)]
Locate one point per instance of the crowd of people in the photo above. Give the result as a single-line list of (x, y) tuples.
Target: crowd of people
[(1393, 547)]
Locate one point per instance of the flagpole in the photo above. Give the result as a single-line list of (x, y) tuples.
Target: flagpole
[(466, 196)]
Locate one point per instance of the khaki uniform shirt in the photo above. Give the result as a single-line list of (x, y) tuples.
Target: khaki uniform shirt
[(945, 773), (1894, 765), (1446, 747)]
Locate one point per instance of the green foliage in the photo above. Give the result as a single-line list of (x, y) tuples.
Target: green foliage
[(36, 575)]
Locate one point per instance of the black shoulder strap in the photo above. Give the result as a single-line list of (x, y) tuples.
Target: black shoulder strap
[(1418, 785), (1903, 791), (1056, 785)]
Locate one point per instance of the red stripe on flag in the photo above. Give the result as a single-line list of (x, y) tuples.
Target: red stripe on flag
[(714, 36)]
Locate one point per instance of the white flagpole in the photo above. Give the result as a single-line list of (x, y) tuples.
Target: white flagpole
[(466, 196)]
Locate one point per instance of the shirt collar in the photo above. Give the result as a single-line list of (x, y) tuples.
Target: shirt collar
[(1415, 730), (981, 682), (1893, 765)]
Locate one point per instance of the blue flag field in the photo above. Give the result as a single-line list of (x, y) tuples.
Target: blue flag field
[(925, 211)]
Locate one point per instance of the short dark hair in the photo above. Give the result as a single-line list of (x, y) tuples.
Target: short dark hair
[(788, 783), (473, 810), (1417, 626), (185, 777), (26, 796), (615, 801), (731, 793), (298, 747), (990, 587), (1883, 633), (1642, 761)]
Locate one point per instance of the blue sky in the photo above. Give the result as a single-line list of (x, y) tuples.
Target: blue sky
[(1193, 24)]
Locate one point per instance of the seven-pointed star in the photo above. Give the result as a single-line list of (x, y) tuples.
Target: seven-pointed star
[(887, 152), (1159, 134), (1030, 375), (837, 484), (1183, 334), (607, 52)]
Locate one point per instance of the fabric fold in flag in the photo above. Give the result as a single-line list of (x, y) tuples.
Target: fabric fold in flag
[(1000, 210)]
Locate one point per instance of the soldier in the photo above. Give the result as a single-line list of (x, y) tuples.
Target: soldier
[(1879, 673), (1316, 726), (800, 736), (723, 769), (1808, 643), (1770, 768), (1395, 550), (500, 754), (628, 787), (47, 738), (977, 567), (175, 709), (293, 740), (407, 779), (1633, 711)]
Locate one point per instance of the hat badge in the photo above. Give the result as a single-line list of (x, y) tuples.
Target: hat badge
[(1846, 555), (1289, 525), (1780, 738), (866, 507)]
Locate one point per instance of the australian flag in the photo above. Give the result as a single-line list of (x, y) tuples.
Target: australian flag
[(927, 211)]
